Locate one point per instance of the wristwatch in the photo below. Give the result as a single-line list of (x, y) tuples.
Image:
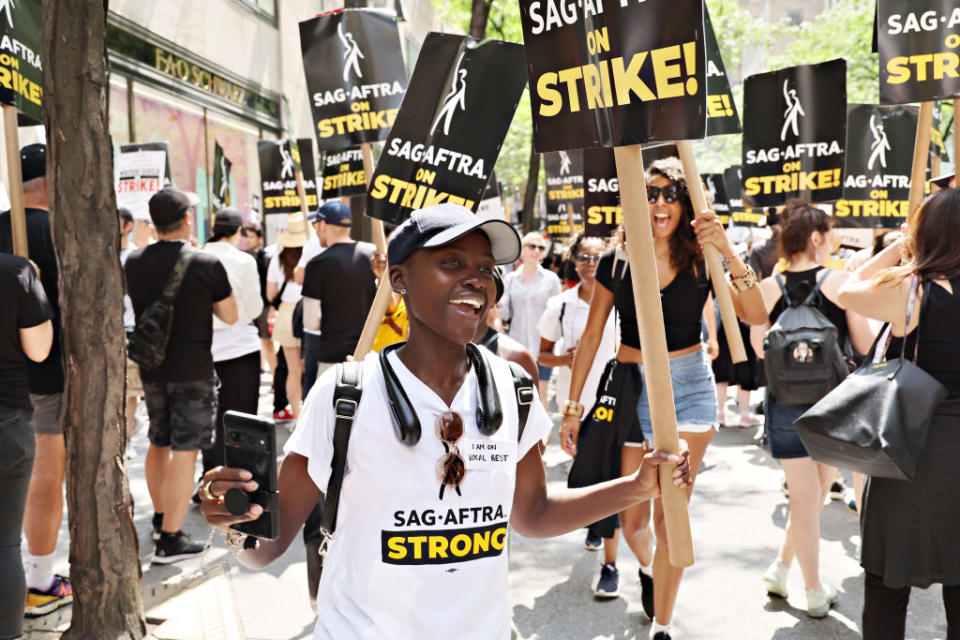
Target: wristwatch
[(573, 409)]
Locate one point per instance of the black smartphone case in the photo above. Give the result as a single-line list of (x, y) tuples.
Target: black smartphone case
[(251, 444)]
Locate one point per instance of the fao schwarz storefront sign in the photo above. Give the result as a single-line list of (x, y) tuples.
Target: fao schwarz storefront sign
[(187, 71)]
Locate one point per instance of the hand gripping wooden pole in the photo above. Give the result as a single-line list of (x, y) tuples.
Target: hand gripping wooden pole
[(381, 302), (921, 153), (653, 342), (18, 221), (731, 326)]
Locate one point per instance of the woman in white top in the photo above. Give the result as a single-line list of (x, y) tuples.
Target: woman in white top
[(281, 284), (421, 526), (526, 291)]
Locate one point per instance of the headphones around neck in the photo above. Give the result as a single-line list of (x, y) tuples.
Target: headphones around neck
[(405, 421)]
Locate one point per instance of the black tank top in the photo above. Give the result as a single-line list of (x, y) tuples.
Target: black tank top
[(682, 302), (939, 353), (799, 285)]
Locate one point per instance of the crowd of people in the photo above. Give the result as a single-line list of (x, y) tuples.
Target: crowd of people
[(240, 313)]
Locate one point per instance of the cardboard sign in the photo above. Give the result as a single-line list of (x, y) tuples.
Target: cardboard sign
[(449, 131), (794, 134), (615, 73), (918, 41), (601, 198), (277, 182), (21, 72), (141, 172), (717, 193), (220, 190), (355, 76), (722, 115), (343, 173), (879, 156), (564, 177)]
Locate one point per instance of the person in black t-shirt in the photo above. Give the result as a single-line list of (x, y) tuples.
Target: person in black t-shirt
[(338, 289), (181, 393), (26, 332), (253, 244)]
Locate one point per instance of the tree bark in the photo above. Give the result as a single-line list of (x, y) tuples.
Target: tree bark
[(529, 222), (104, 564), (478, 18)]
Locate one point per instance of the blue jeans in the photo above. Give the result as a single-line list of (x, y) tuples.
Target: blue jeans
[(16, 463)]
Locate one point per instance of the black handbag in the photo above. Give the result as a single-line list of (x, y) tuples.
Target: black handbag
[(876, 421)]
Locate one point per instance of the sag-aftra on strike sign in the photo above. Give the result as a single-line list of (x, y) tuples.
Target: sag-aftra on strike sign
[(615, 72), (919, 44)]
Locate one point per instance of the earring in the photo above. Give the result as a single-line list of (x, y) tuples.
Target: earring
[(816, 256), (403, 292)]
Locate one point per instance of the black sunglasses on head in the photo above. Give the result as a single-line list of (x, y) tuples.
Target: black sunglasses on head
[(671, 194)]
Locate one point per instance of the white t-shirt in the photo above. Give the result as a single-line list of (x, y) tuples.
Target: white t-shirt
[(240, 338), (406, 564), (129, 319), (566, 334), (291, 293), (310, 251), (523, 304)]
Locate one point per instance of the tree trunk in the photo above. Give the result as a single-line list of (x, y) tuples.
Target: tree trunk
[(478, 18), (530, 218), (104, 563)]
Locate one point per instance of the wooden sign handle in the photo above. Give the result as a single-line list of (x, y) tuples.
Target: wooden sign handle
[(18, 221), (381, 302), (956, 137), (653, 342), (728, 315), (921, 153)]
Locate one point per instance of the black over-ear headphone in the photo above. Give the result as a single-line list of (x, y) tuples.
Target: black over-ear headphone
[(405, 420)]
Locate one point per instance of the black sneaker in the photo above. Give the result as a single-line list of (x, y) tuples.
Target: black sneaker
[(837, 490), (156, 524), (662, 635), (173, 547), (609, 584), (593, 541), (646, 594)]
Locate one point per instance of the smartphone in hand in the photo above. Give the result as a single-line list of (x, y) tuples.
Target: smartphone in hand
[(250, 442)]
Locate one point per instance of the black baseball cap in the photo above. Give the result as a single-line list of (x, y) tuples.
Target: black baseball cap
[(227, 222), (168, 206), (334, 212), (442, 224), (943, 181), (33, 161)]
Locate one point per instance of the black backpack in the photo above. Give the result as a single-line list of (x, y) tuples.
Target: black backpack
[(147, 345), (803, 357)]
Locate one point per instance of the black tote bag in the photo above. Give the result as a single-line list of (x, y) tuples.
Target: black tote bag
[(876, 421)]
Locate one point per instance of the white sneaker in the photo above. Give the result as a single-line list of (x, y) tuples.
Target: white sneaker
[(820, 600), (775, 579)]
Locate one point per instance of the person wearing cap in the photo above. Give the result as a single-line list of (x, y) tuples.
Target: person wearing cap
[(338, 289), (236, 347), (44, 512), (283, 292), (421, 529), (180, 393)]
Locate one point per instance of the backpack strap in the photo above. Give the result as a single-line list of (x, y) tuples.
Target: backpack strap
[(816, 288), (346, 399), (184, 259), (523, 386), (783, 290)]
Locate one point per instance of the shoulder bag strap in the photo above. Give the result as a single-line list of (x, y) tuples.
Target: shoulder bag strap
[(523, 387), (563, 311), (927, 288), (184, 258), (346, 398)]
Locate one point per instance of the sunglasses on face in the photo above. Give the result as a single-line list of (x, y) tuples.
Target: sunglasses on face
[(583, 257), (536, 247), (451, 467), (671, 194)]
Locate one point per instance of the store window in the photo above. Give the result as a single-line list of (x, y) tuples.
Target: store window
[(119, 114), (239, 143)]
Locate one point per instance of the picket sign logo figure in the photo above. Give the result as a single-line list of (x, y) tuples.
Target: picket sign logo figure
[(565, 163), (880, 144), (286, 169), (793, 112), (6, 6), (456, 97), (712, 188), (223, 177), (352, 55)]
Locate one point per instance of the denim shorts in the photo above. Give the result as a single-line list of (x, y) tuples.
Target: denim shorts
[(779, 419), (694, 397), (544, 372)]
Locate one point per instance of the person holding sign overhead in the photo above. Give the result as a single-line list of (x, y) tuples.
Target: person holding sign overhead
[(685, 291), (424, 506)]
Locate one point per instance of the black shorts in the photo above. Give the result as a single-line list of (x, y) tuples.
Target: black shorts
[(182, 414)]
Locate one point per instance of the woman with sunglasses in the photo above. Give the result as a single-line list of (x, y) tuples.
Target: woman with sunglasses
[(685, 291), (421, 529), (526, 291)]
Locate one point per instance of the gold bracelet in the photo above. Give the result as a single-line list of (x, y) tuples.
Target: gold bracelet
[(746, 281), (573, 409)]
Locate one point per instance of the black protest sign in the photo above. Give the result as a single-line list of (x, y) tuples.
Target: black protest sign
[(740, 215), (21, 72), (937, 147), (794, 130), (564, 176), (343, 173), (277, 180), (722, 115), (448, 134), (918, 42), (879, 160), (717, 192), (355, 75), (601, 197), (615, 73), (220, 190)]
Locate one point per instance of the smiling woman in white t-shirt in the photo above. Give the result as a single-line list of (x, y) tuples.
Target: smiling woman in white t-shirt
[(421, 521)]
